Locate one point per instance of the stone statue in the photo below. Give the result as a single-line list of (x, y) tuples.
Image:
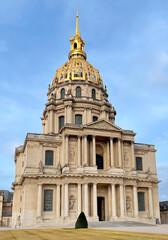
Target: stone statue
[(59, 167), (71, 204), (40, 167), (127, 204)]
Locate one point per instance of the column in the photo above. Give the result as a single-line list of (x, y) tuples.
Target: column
[(79, 151), (135, 197), (85, 151), (65, 118), (109, 204), (132, 155), (70, 114), (43, 127), (56, 122), (57, 157), (63, 150), (51, 121), (58, 201), (94, 200), (86, 199), (39, 201), (121, 200), (79, 199), (94, 150), (113, 196), (111, 152), (119, 152), (85, 116), (66, 205), (108, 154), (150, 202), (62, 201), (66, 149)]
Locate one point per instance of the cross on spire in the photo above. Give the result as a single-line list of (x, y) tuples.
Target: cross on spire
[(77, 11)]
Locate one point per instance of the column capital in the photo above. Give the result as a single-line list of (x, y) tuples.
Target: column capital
[(39, 184)]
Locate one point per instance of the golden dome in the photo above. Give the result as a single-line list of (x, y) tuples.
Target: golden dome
[(77, 68)]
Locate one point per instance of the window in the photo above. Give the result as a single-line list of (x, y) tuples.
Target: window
[(48, 200), (75, 45), (49, 158), (139, 163), (99, 161), (62, 93), (93, 94), (95, 118), (78, 92), (61, 122), (141, 201), (78, 119)]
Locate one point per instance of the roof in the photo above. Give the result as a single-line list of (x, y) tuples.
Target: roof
[(8, 196), (163, 203)]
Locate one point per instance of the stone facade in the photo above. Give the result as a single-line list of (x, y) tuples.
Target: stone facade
[(164, 212), (6, 202), (82, 161)]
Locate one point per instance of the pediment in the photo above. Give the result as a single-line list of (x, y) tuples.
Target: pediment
[(104, 124)]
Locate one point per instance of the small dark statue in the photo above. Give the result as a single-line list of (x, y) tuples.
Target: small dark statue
[(81, 221)]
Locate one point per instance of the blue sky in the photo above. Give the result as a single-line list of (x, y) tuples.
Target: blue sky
[(126, 40)]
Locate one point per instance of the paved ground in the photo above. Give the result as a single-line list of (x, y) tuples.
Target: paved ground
[(121, 226), (130, 227)]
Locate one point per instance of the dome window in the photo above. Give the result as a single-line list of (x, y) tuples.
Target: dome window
[(61, 122), (78, 119), (75, 45), (78, 92), (49, 158), (95, 118), (62, 93), (93, 94)]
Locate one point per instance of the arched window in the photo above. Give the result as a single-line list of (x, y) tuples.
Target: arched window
[(62, 92), (48, 200), (139, 163), (49, 158), (78, 119), (141, 201), (93, 94), (99, 161), (75, 45), (61, 122), (78, 91), (95, 118)]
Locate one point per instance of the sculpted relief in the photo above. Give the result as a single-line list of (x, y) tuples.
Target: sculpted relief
[(126, 158), (72, 150)]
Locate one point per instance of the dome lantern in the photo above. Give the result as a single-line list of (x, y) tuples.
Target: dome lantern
[(77, 44)]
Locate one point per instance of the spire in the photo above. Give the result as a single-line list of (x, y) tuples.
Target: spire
[(77, 24), (77, 44)]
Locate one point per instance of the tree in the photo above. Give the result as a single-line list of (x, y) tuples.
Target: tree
[(81, 221)]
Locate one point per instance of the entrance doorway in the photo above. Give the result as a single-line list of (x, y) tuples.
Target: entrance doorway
[(101, 208)]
